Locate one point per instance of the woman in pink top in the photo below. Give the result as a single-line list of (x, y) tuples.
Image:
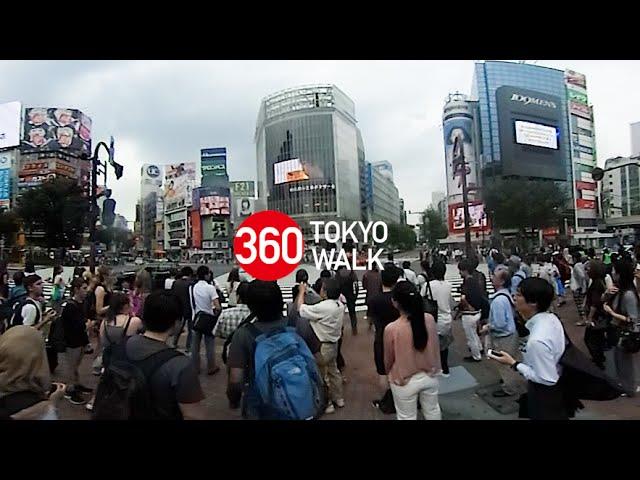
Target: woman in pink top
[(412, 356)]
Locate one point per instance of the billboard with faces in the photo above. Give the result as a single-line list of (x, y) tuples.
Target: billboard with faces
[(56, 130)]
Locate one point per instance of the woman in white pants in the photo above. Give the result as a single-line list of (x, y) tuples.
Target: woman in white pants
[(412, 356)]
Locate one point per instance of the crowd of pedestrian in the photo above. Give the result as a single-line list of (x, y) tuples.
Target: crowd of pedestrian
[(286, 362)]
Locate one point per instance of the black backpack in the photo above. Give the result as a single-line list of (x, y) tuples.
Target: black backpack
[(16, 315), (107, 351), (124, 391), (581, 379), (16, 402), (519, 321)]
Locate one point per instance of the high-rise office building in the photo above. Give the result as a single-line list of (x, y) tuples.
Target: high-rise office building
[(307, 155), (385, 200), (536, 122), (635, 138), (150, 194), (621, 190)]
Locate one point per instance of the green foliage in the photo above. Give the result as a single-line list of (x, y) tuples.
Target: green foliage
[(9, 223), (58, 208), (433, 227), (523, 204), (401, 236)]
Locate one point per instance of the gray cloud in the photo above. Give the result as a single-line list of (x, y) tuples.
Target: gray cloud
[(166, 111)]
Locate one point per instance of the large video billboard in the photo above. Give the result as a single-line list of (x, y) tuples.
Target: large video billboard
[(10, 116), (56, 129), (212, 201), (477, 218), (289, 171), (532, 130)]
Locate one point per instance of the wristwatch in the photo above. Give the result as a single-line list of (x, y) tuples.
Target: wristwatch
[(515, 366)]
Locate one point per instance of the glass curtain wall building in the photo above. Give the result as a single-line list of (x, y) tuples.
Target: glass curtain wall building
[(307, 155), (535, 99)]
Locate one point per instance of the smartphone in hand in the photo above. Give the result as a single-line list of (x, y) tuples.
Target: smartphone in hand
[(493, 353)]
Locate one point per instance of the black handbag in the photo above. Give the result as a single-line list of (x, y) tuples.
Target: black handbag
[(628, 337), (629, 341), (203, 322), (430, 305)]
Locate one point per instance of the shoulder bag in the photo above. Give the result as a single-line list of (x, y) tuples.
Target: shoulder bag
[(203, 322)]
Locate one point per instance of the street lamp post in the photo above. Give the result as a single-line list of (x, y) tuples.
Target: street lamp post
[(93, 208)]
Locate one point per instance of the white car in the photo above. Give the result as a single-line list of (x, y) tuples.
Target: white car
[(139, 261)]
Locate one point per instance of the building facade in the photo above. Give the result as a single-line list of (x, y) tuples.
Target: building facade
[(307, 155), (460, 120), (386, 200), (635, 138), (535, 122), (150, 193), (621, 191), (179, 183)]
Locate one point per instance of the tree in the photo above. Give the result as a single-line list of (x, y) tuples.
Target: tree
[(57, 208), (401, 236), (9, 223), (121, 238), (433, 226), (525, 205)]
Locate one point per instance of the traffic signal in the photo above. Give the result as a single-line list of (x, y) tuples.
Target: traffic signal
[(118, 169), (108, 212)]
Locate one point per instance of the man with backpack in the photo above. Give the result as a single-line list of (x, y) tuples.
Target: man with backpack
[(326, 322), (502, 331), (267, 356), (517, 273), (28, 311), (161, 383)]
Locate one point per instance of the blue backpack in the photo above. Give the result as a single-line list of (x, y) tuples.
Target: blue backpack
[(286, 382)]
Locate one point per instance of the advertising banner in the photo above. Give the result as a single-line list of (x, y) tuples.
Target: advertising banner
[(196, 229), (151, 179), (179, 182), (477, 222), (585, 186), (201, 193), (579, 109), (584, 124), (583, 203), (576, 96), (575, 79), (245, 207), (214, 205), (10, 117), (461, 127), (213, 167), (246, 188), (6, 161), (220, 229), (56, 130)]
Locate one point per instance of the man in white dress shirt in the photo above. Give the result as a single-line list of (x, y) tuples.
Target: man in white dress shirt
[(545, 346)]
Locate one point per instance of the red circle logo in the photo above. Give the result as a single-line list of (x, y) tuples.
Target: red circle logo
[(269, 245)]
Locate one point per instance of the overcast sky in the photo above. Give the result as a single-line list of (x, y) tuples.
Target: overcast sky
[(166, 111)]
